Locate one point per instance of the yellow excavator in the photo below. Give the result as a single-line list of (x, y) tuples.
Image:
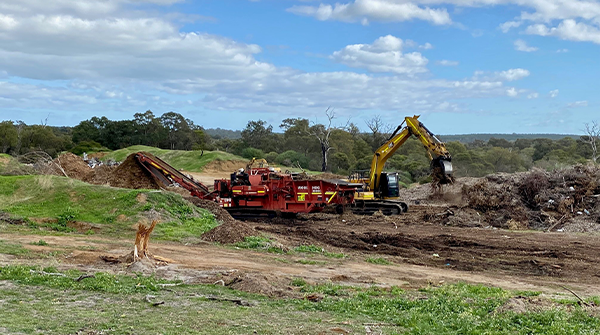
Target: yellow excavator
[(380, 189)]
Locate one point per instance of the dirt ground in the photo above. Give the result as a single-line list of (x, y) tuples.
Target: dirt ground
[(528, 231), (516, 261)]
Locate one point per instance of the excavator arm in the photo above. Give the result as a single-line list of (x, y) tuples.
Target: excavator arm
[(441, 160)]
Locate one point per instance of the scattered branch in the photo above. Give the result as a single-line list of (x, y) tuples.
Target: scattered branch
[(149, 300), (576, 296), (84, 276), (236, 301)]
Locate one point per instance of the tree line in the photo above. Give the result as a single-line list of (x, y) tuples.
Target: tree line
[(328, 146)]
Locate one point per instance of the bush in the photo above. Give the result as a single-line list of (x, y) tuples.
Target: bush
[(88, 146), (271, 157), (250, 153), (292, 157)]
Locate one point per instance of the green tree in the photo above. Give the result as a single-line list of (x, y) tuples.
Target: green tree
[(258, 134), (8, 136)]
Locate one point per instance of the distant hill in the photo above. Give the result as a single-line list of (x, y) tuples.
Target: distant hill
[(468, 138), (218, 133)]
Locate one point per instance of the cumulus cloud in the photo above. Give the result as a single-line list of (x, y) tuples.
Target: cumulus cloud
[(521, 45), (377, 10), (534, 95), (384, 55), (506, 26), (568, 30), (579, 19), (553, 94), (109, 55)]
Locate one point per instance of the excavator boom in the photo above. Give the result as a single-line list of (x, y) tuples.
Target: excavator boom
[(441, 160)]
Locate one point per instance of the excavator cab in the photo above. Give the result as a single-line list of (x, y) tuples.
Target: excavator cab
[(389, 185)]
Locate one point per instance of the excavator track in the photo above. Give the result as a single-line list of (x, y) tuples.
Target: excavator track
[(387, 207)]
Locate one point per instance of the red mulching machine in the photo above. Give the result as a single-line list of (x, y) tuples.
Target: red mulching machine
[(258, 191)]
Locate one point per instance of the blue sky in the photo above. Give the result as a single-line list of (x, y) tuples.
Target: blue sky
[(466, 66)]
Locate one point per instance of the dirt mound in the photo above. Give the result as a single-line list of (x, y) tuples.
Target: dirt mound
[(130, 174), (219, 166), (101, 175), (229, 232), (219, 213), (73, 166)]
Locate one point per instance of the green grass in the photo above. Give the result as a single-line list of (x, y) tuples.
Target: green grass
[(66, 200), (378, 260), (116, 304), (259, 243), (309, 249), (182, 160), (7, 163), (310, 262), (12, 249), (40, 243)]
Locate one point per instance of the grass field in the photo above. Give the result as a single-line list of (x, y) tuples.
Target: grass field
[(122, 304), (182, 160), (66, 200)]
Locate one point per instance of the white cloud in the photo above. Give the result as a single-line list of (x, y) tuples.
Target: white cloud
[(534, 95), (512, 92), (377, 10), (506, 26), (85, 56), (579, 19), (553, 94), (384, 55), (576, 104), (447, 63), (508, 75), (521, 45), (568, 30), (562, 50), (426, 46), (401, 10)]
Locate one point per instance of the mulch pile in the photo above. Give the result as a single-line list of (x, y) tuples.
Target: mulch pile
[(128, 174), (72, 165), (537, 199)]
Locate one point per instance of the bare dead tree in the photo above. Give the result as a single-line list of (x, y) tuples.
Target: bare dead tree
[(592, 138), (379, 129), (323, 133)]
